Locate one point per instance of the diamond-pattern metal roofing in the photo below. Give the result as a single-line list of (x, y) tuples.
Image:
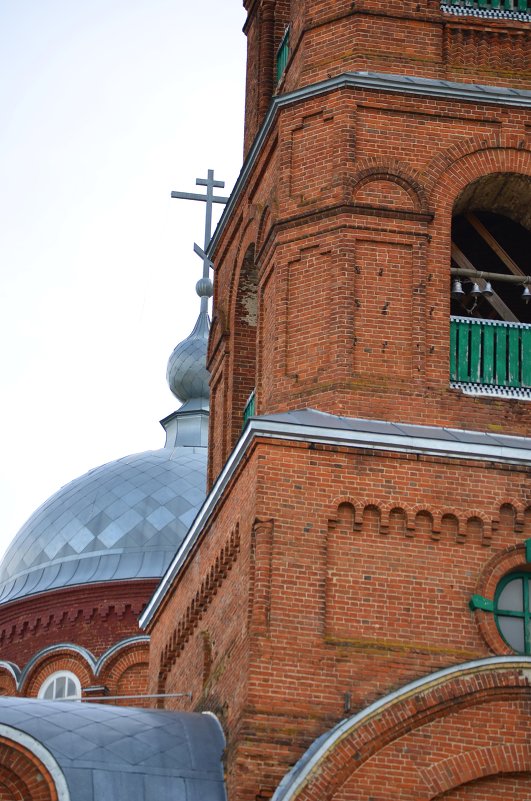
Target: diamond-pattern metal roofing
[(123, 520), (109, 753)]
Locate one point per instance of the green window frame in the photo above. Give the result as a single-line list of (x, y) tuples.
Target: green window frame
[(512, 611), (250, 407), (282, 55)]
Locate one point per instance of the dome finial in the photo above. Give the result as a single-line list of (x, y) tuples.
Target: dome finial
[(187, 374), (205, 290)]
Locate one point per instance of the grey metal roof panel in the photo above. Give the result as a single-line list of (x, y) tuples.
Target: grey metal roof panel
[(106, 752), (103, 525)]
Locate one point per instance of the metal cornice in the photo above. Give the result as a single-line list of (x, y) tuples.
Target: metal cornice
[(291, 784), (338, 437), (379, 81)]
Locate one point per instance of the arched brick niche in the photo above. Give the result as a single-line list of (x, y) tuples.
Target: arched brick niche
[(24, 776), (448, 735), (8, 678), (124, 671)]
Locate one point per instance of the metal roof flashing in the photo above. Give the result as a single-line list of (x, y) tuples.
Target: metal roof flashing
[(311, 425), (110, 753)]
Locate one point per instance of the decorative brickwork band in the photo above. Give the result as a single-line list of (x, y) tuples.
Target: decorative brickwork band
[(197, 607), (472, 48)]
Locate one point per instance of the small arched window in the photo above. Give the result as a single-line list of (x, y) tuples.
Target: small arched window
[(62, 685)]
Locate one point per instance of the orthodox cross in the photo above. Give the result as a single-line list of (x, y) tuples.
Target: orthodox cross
[(209, 199)]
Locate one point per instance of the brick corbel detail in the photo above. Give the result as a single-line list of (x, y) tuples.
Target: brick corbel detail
[(198, 606)]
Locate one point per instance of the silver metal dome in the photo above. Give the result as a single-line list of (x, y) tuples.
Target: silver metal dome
[(123, 520)]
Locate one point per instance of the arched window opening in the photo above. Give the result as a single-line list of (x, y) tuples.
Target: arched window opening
[(61, 686), (490, 346), (245, 328)]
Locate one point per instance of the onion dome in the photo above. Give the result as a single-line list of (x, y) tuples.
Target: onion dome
[(187, 375)]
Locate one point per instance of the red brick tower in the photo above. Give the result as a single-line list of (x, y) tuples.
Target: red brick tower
[(354, 597)]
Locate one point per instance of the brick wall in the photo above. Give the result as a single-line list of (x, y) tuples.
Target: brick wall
[(353, 577), (327, 578), (411, 38), (359, 186)]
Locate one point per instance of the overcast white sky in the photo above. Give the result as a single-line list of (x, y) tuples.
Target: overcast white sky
[(106, 106)]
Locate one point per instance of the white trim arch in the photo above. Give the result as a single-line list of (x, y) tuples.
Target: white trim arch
[(12, 669), (42, 754), (51, 649), (116, 648), (311, 762)]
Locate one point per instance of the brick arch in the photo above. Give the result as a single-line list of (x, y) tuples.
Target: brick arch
[(345, 500), (450, 526), (462, 164), (61, 657), (125, 670), (478, 763), (9, 678), (476, 528), (393, 171), (263, 226), (398, 520), (397, 744), (28, 772), (514, 786), (247, 239), (346, 514), (243, 327), (401, 193), (7, 684)]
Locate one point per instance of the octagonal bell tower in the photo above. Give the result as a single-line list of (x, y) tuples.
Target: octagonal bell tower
[(344, 587)]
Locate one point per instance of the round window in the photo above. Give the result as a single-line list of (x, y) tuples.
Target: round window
[(512, 611)]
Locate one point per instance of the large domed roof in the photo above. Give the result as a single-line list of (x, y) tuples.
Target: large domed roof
[(123, 520)]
